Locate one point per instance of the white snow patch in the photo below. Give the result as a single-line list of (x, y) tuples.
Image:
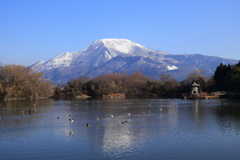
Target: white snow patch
[(172, 67), (63, 59), (120, 45), (107, 55)]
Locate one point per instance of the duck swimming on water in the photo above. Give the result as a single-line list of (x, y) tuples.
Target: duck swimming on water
[(71, 120)]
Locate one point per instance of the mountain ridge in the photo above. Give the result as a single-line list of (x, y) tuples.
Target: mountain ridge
[(122, 55)]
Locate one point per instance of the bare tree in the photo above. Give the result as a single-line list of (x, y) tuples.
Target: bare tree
[(22, 82)]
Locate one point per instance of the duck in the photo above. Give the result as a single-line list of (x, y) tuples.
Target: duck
[(32, 110), (97, 118), (124, 122), (71, 120)]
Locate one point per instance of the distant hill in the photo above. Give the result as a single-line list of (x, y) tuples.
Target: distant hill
[(121, 55)]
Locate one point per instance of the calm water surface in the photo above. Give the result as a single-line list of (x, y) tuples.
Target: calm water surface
[(120, 129)]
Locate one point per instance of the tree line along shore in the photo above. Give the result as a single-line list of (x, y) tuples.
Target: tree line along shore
[(19, 82)]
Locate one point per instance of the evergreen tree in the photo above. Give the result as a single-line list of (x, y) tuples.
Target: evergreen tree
[(220, 76)]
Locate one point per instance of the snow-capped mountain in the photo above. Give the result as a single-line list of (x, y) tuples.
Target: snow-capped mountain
[(121, 55)]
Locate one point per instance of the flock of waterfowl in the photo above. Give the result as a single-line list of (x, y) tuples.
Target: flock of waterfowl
[(97, 119), (128, 114), (34, 110), (31, 110), (122, 119)]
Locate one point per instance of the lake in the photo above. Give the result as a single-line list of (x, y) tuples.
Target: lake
[(120, 129)]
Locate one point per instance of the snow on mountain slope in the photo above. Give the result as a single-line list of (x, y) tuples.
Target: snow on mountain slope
[(38, 66), (172, 67), (97, 53), (63, 59), (124, 46), (121, 55)]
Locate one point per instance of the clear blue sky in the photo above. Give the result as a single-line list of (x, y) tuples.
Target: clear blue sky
[(34, 30)]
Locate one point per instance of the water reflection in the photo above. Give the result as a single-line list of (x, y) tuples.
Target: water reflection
[(126, 129), (17, 112), (117, 138), (228, 116)]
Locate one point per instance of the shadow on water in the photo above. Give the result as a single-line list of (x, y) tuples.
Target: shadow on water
[(228, 115)]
